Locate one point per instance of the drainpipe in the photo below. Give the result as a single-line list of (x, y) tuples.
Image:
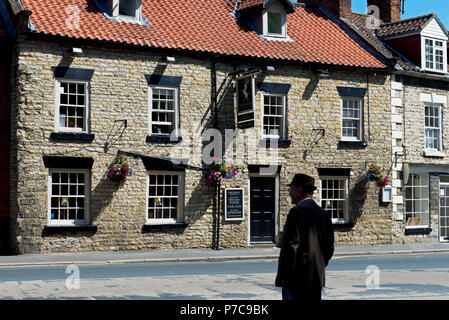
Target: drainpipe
[(218, 190)]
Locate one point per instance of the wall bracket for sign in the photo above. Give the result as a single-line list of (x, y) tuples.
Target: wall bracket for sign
[(234, 200)]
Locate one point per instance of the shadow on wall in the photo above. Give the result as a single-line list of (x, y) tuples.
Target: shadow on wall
[(357, 196), (310, 88), (200, 201), (102, 195)]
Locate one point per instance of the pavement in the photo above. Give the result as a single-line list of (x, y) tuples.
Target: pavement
[(202, 255)]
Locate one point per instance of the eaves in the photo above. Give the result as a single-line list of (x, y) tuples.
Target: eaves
[(202, 55)]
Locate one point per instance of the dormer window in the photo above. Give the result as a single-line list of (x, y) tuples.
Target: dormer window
[(267, 18), (435, 55), (274, 24), (127, 8)]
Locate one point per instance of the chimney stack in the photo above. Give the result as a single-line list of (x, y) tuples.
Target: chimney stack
[(338, 8), (390, 10)]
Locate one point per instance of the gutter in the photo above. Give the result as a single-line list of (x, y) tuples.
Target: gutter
[(420, 75)]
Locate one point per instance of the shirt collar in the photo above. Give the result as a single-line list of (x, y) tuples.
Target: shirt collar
[(305, 199)]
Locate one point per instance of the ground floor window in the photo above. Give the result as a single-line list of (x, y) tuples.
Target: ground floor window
[(417, 200), (165, 197), (334, 194), (68, 196)]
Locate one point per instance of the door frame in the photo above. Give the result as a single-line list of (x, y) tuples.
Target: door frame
[(439, 206), (276, 206)]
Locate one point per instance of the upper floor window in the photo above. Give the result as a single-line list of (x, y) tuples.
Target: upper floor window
[(164, 111), (432, 125), (275, 24), (435, 55), (72, 106), (274, 115), (351, 121)]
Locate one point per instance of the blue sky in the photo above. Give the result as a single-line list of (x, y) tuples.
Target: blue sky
[(414, 8)]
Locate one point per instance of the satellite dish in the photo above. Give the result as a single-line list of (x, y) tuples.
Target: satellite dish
[(405, 173)]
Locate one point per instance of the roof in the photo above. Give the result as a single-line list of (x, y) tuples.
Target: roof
[(360, 23), (412, 25), (250, 4), (247, 4), (206, 26)]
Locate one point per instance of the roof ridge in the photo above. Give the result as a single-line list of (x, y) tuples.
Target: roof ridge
[(386, 24)]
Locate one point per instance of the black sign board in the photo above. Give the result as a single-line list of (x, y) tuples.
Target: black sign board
[(234, 204), (245, 102), (245, 94)]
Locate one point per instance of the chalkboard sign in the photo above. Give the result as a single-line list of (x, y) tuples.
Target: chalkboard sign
[(234, 204)]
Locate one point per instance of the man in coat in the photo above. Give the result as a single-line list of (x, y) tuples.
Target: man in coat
[(307, 244)]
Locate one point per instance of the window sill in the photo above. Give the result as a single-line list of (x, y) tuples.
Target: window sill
[(73, 136), (162, 139), (169, 226), (58, 229), (281, 143), (434, 153), (353, 144), (347, 226), (417, 231)]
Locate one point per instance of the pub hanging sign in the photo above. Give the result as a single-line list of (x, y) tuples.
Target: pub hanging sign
[(234, 204), (245, 102)]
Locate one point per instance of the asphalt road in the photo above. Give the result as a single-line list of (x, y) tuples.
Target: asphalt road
[(424, 276)]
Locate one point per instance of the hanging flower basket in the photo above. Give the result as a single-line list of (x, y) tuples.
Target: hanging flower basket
[(219, 172), (376, 174), (120, 170)]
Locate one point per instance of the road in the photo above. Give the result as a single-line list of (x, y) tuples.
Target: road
[(392, 277)]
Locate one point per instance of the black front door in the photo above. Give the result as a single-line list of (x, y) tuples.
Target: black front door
[(262, 214)]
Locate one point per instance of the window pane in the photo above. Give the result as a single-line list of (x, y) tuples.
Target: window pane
[(163, 196), (127, 8), (274, 23)]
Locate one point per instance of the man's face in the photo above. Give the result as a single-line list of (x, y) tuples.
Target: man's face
[(294, 194)]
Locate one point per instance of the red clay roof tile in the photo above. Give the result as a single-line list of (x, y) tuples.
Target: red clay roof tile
[(206, 26)]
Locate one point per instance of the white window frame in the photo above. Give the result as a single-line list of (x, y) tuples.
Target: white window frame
[(283, 116), (440, 128), (346, 205), (176, 111), (87, 194), (283, 14), (180, 201), (86, 120), (426, 198), (443, 48), (138, 14), (360, 119)]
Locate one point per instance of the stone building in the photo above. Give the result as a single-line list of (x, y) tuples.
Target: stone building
[(289, 86), (419, 101)]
